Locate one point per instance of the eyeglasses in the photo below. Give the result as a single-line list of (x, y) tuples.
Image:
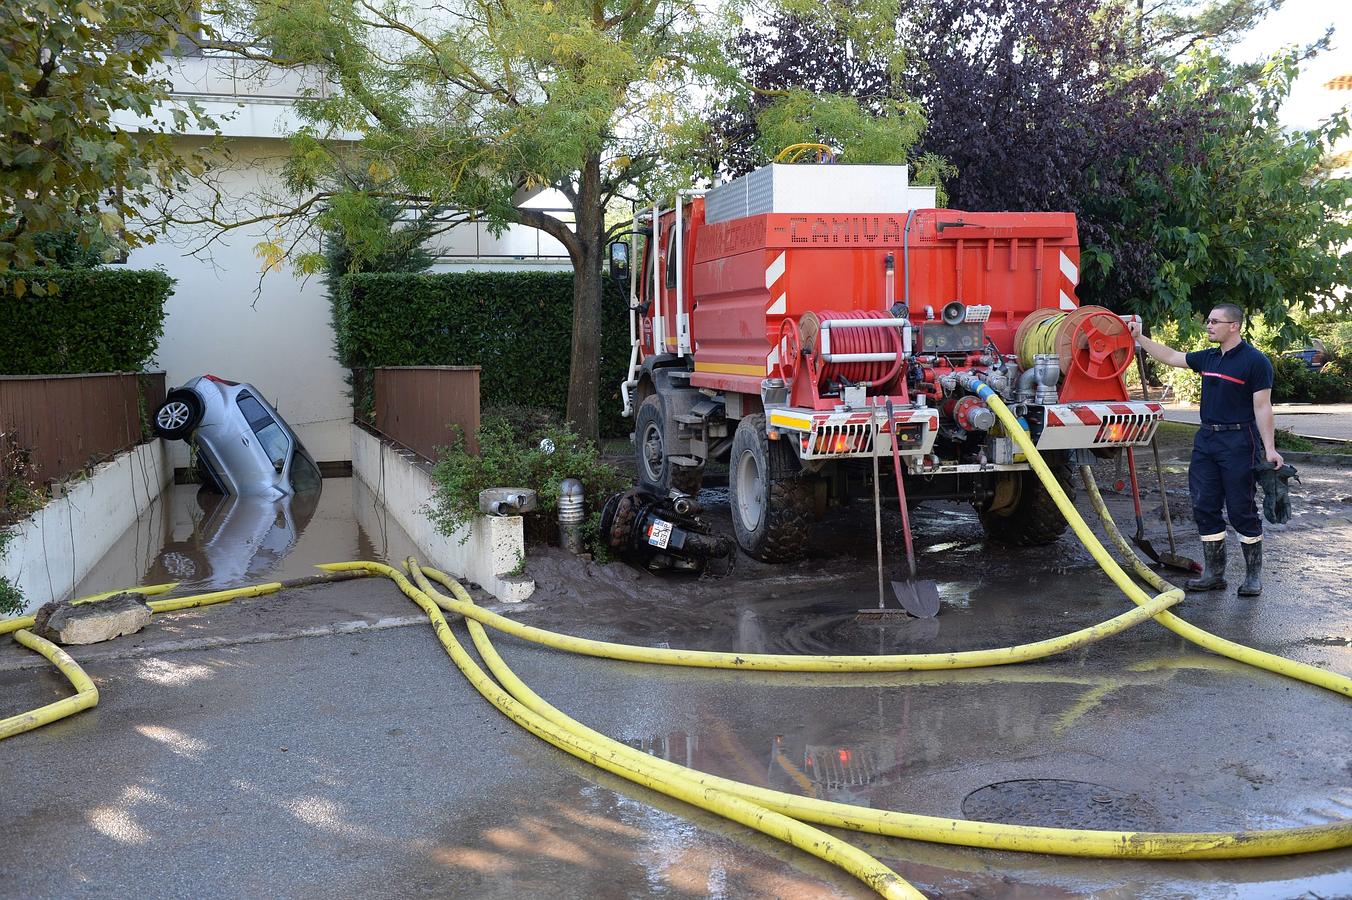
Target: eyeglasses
[(1220, 322)]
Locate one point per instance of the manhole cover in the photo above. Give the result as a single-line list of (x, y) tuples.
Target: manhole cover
[(1056, 803)]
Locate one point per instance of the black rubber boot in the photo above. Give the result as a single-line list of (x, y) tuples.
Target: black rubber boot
[(1253, 569), (1213, 568)]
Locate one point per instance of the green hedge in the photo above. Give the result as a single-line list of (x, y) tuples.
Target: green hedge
[(516, 325), (1295, 382), (98, 320)]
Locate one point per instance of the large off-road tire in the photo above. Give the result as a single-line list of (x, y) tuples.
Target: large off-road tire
[(178, 415), (651, 442), (1032, 519), (772, 503)]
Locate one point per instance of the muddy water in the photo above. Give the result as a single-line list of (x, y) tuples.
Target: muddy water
[(208, 541)]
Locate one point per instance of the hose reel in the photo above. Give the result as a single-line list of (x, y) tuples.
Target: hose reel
[(1092, 343), (842, 347)]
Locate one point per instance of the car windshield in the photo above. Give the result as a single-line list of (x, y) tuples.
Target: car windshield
[(270, 435)]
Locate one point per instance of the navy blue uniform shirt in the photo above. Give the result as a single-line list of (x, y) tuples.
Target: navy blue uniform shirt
[(1229, 381)]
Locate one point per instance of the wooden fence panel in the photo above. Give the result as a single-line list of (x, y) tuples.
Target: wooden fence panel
[(64, 423), (422, 406)]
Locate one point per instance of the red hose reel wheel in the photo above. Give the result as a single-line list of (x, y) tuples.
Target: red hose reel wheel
[(1096, 343), (790, 349)]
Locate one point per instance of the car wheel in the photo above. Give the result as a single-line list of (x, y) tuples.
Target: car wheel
[(178, 415)]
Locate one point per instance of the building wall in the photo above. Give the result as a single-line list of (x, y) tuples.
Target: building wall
[(225, 317)]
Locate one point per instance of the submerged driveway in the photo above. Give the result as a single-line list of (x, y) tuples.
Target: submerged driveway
[(255, 748)]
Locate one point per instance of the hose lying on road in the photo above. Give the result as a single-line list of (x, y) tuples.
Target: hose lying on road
[(87, 695), (674, 781), (936, 829)]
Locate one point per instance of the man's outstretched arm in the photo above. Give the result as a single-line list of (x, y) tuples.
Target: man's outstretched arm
[(1162, 352)]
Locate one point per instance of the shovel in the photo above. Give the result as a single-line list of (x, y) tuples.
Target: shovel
[(1139, 537), (1171, 559), (917, 598)]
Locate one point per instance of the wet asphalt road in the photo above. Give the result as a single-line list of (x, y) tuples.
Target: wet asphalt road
[(362, 764)]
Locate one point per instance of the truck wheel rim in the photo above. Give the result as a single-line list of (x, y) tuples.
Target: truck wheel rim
[(652, 453), (750, 491), (173, 415)]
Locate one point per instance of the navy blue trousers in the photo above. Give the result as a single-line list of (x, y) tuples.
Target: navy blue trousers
[(1221, 475)]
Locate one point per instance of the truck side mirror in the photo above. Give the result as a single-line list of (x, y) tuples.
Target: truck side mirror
[(619, 260)]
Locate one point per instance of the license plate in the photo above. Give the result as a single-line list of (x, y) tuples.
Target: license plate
[(660, 536)]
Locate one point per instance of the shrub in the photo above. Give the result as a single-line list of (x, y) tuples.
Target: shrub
[(1294, 382), (517, 326), (511, 456), (95, 320), (11, 598)]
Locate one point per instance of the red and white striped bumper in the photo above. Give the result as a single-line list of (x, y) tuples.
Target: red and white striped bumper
[(1076, 426), (843, 435)]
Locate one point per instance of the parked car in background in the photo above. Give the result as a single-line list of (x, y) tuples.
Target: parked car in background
[(243, 446), (1314, 356)]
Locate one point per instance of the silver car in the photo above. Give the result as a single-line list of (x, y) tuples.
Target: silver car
[(243, 446)]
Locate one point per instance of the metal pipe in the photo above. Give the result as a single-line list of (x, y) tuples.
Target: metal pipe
[(571, 514), (659, 326)]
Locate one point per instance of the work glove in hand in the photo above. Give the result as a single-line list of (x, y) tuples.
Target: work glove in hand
[(1276, 493)]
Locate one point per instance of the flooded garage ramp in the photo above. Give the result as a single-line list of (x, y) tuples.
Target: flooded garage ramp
[(209, 541)]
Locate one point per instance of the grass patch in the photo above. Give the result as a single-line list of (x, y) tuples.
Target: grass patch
[(1288, 440)]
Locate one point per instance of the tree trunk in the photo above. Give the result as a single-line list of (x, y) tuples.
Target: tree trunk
[(584, 374)]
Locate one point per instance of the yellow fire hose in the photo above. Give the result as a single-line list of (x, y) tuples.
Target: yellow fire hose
[(643, 769), (86, 694), (782, 815), (776, 662), (936, 829), (8, 625)]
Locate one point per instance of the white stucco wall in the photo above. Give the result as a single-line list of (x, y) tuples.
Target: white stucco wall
[(485, 551), (227, 319), (58, 545)]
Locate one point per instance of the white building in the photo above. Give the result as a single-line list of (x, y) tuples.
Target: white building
[(225, 317)]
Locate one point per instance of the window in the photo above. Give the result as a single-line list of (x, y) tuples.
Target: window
[(270, 435), (304, 473), (671, 258)]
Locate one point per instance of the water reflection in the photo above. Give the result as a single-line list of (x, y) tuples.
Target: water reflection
[(234, 540), (212, 541)]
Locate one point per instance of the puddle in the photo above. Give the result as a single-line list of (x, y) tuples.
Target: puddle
[(211, 542)]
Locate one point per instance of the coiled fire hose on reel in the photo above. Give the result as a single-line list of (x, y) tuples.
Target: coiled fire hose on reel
[(784, 815)]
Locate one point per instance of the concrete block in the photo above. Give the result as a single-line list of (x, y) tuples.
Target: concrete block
[(90, 623)]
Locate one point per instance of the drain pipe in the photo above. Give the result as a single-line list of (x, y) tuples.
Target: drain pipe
[(570, 515)]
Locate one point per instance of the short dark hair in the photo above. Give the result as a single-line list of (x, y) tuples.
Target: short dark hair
[(1230, 311)]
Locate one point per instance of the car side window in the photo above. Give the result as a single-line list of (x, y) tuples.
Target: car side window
[(270, 435), (304, 474)]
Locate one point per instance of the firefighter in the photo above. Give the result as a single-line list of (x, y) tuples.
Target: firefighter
[(1235, 436)]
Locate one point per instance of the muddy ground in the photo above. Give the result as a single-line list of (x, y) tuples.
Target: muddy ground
[(254, 748)]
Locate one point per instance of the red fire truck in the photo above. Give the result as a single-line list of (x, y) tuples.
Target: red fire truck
[(802, 317)]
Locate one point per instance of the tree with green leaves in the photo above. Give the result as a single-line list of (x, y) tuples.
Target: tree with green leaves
[(68, 68), (476, 108), (1246, 211)]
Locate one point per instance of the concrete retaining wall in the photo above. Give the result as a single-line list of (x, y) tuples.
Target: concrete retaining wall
[(494, 547), (59, 544)]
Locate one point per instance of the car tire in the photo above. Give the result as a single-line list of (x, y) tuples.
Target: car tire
[(178, 415)]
